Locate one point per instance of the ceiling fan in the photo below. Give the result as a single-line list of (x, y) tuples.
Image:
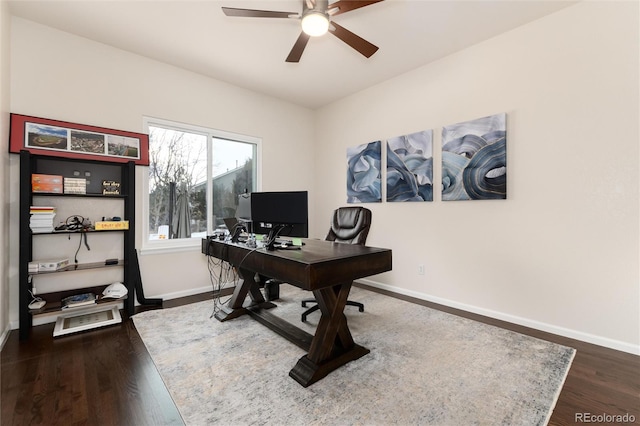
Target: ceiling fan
[(316, 21)]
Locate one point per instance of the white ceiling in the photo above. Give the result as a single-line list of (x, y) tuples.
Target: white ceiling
[(251, 52)]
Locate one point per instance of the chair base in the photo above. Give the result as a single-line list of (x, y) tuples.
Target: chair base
[(315, 307)]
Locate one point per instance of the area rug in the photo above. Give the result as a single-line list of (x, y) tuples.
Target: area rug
[(426, 367)]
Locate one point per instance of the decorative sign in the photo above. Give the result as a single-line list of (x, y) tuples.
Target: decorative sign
[(110, 225), (63, 139), (110, 187)]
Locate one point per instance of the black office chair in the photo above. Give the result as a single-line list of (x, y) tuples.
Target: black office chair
[(349, 225)]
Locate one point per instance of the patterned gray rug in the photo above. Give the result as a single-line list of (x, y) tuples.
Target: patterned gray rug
[(426, 367)]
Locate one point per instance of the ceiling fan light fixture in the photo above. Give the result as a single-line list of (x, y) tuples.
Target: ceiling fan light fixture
[(315, 23)]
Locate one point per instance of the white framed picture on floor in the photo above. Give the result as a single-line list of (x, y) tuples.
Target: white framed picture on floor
[(86, 320)]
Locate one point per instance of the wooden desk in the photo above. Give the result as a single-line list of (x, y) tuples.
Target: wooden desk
[(325, 268)]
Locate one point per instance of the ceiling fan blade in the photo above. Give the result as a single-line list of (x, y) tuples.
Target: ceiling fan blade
[(361, 45), (343, 6), (251, 13), (298, 48)]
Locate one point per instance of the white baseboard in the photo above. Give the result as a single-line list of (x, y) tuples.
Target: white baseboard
[(185, 293), (526, 322)]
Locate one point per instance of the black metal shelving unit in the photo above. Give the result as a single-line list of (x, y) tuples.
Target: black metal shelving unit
[(100, 170)]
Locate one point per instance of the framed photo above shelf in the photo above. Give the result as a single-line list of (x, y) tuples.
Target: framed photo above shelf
[(56, 138)]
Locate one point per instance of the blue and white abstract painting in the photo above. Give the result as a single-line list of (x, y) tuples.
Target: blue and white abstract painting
[(410, 167), (474, 159), (364, 173)]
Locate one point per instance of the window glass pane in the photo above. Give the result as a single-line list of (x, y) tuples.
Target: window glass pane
[(195, 177), (177, 184), (234, 173)]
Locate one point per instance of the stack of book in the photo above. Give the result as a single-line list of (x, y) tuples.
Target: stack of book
[(41, 219), (78, 300)]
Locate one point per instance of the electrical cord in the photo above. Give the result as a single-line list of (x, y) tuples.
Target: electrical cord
[(227, 274), (77, 223), (35, 298), (273, 236), (83, 235)]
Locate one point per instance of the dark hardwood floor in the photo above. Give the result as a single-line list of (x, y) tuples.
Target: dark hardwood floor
[(106, 377)]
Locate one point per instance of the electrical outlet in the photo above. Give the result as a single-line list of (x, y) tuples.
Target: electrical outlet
[(421, 269)]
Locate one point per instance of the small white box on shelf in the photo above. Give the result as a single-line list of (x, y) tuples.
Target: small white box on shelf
[(52, 265), (75, 186)]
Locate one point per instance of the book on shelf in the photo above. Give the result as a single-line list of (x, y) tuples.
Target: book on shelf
[(41, 218), (42, 209), (78, 300), (42, 229), (52, 265), (46, 183)]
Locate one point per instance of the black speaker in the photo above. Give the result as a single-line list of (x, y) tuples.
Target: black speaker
[(271, 290)]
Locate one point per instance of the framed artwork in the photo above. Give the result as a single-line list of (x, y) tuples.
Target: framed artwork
[(364, 173), (63, 139), (86, 320), (410, 167), (474, 159)]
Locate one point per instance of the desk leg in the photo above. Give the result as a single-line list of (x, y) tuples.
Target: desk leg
[(246, 285), (332, 345)]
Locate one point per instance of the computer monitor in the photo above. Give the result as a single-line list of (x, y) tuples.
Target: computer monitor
[(283, 214)]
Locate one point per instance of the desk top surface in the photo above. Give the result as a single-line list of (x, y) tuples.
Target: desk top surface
[(317, 264)]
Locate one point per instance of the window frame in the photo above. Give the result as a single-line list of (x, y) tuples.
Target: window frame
[(191, 244)]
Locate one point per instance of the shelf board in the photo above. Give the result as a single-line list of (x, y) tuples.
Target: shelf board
[(93, 231), (80, 267), (53, 194), (56, 308)]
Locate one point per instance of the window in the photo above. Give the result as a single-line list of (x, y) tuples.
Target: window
[(194, 179)]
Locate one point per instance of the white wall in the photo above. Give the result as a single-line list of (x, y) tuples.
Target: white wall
[(61, 76), (5, 25), (561, 253)]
